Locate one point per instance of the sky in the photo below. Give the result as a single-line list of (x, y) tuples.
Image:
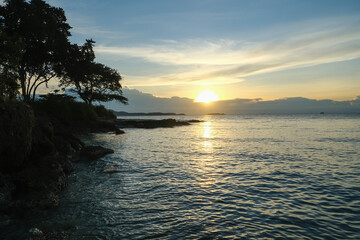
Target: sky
[(268, 49), (240, 49), (145, 102)]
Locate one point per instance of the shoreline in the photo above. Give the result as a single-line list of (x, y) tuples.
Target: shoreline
[(34, 180)]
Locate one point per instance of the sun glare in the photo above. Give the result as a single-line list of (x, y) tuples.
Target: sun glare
[(206, 96)]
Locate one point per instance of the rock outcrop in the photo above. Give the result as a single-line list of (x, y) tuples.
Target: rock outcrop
[(89, 153), (34, 158), (151, 123)]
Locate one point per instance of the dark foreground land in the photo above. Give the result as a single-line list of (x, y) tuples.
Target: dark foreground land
[(37, 152)]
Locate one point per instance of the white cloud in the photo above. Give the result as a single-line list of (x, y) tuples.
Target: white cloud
[(143, 102), (229, 61)]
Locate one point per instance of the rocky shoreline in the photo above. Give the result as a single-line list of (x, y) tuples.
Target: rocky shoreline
[(36, 156), (151, 123), (38, 152)]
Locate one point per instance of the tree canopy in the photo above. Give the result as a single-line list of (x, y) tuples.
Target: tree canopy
[(42, 35), (92, 81), (35, 48)]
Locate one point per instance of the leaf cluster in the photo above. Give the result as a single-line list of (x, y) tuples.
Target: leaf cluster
[(92, 81)]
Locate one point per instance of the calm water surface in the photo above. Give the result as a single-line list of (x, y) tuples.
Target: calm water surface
[(230, 177)]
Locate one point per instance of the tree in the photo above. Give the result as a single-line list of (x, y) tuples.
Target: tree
[(8, 81), (91, 81), (43, 33)]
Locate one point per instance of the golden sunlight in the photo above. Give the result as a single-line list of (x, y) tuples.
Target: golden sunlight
[(206, 96)]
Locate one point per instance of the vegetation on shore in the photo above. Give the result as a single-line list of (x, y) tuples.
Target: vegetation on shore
[(35, 48), (66, 109), (37, 145)]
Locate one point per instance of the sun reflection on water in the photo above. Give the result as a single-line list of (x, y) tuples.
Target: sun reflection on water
[(207, 130), (207, 143), (206, 164)]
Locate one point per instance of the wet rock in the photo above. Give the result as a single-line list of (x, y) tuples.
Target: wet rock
[(195, 121), (35, 156), (35, 232), (150, 123), (4, 220), (119, 131), (7, 189), (94, 152), (50, 201), (57, 235), (67, 144), (93, 126)]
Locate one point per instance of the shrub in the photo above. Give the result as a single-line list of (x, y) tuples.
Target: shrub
[(65, 108), (104, 113)]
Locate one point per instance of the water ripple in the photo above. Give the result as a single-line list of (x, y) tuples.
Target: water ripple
[(237, 178)]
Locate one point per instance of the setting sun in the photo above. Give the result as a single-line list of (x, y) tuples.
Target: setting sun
[(206, 96)]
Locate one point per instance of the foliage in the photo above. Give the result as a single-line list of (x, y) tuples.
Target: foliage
[(16, 124), (65, 108), (34, 49), (8, 85), (92, 81), (104, 113), (8, 58), (41, 34)]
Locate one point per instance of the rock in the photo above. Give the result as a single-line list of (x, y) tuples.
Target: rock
[(42, 143), (7, 189), (35, 232), (52, 235), (35, 158), (76, 143), (50, 201), (195, 121), (94, 152), (67, 144), (38, 184), (93, 126), (4, 220), (151, 123), (119, 131)]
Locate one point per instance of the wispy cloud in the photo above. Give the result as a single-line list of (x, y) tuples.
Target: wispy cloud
[(97, 31), (229, 61)]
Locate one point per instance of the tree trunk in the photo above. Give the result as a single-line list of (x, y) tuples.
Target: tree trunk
[(26, 97)]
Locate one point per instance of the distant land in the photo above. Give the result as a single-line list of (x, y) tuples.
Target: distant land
[(122, 113), (140, 102), (215, 114)]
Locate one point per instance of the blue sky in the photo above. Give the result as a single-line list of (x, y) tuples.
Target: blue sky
[(267, 49)]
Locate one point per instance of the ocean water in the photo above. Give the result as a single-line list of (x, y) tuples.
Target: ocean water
[(229, 177)]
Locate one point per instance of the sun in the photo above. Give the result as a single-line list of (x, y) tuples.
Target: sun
[(206, 96)]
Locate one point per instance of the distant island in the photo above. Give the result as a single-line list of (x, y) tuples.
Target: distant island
[(122, 113), (215, 114)]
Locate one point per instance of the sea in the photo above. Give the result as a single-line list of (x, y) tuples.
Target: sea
[(228, 177)]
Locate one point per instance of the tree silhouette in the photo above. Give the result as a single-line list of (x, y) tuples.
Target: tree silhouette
[(42, 34), (92, 81), (8, 78)]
